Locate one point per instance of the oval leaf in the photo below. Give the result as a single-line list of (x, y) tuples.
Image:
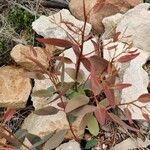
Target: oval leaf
[(55, 140), (144, 98), (43, 93), (56, 42), (127, 58), (76, 102), (49, 110), (92, 125)]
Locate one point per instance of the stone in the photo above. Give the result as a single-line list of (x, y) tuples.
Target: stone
[(132, 73), (131, 143), (40, 102), (20, 53), (95, 17), (110, 23), (15, 89), (42, 125), (61, 25), (135, 27), (71, 145)]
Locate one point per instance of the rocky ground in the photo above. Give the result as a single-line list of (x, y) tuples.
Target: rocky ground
[(23, 21)]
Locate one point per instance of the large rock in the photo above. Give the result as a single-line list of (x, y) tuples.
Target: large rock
[(133, 73), (15, 89), (42, 125), (95, 18), (110, 23), (20, 53), (135, 27), (61, 25), (71, 145)]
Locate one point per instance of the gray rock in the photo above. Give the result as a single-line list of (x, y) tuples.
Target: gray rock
[(110, 23), (135, 27), (56, 26), (133, 73)]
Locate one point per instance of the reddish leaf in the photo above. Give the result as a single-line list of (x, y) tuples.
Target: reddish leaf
[(98, 6), (76, 50), (56, 42), (121, 86), (131, 52), (146, 116), (128, 115), (9, 114), (86, 63), (95, 84), (100, 114), (116, 36), (109, 94), (120, 122), (145, 98), (126, 58), (99, 64)]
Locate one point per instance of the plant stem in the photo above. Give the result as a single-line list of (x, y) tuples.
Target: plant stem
[(81, 47)]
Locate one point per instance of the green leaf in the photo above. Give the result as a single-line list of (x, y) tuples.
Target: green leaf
[(92, 125), (33, 138), (71, 118), (20, 134), (55, 140), (91, 144), (42, 141), (49, 110), (43, 93), (76, 102)]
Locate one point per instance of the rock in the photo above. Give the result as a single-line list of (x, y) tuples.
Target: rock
[(40, 102), (42, 125), (135, 27), (95, 18), (58, 26), (132, 73), (15, 89), (71, 145), (131, 143), (20, 52), (110, 23)]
